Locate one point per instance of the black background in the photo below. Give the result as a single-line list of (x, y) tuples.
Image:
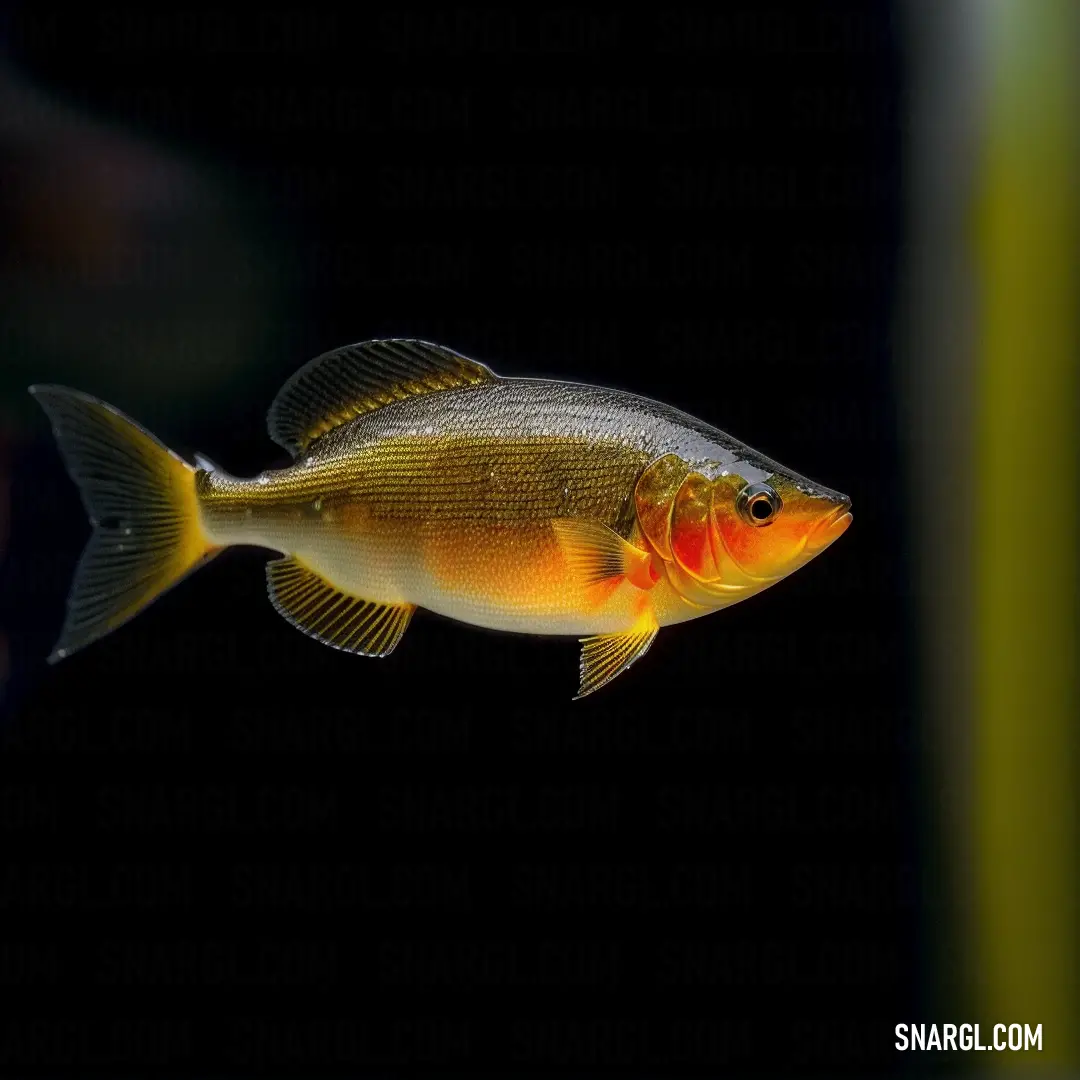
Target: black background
[(224, 843)]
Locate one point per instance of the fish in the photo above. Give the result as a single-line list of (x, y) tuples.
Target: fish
[(421, 479)]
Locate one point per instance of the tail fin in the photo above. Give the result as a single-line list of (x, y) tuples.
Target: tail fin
[(142, 505)]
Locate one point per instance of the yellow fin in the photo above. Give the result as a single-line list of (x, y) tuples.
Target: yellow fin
[(607, 655), (331, 616), (596, 553), (342, 384), (142, 503)]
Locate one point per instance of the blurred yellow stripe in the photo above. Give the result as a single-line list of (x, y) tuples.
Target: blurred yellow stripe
[(1028, 534)]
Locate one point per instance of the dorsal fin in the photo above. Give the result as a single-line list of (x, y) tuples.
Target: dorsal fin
[(342, 384)]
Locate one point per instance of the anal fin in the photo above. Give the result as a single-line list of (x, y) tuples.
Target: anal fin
[(604, 656), (324, 612)]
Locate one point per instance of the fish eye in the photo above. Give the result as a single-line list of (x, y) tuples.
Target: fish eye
[(759, 504)]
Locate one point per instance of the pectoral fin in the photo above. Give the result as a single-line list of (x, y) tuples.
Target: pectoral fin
[(596, 553), (331, 616), (607, 655)]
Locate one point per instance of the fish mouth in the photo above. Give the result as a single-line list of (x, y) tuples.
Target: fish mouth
[(829, 528)]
